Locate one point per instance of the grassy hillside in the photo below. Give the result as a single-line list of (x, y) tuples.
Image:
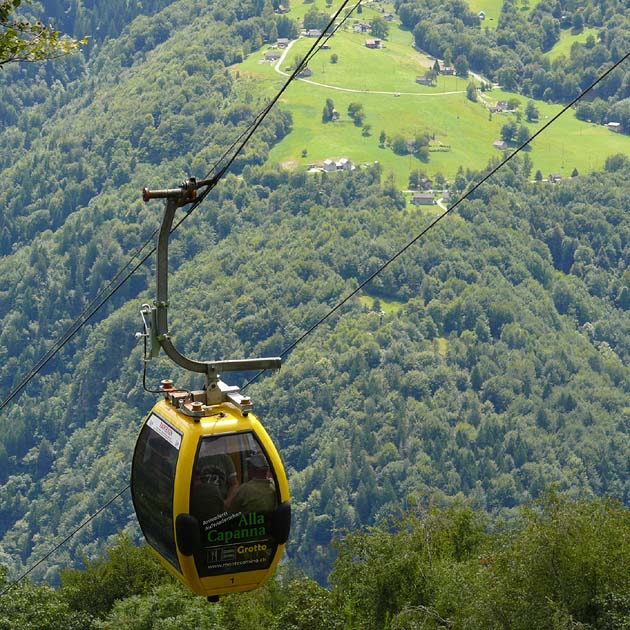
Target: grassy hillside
[(567, 39), (383, 81), (492, 9)]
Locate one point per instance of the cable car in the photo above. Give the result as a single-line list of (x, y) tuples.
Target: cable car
[(210, 494), (208, 486)]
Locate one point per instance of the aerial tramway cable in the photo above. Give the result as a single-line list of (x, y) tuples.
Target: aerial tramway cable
[(433, 223), (105, 294), (245, 136)]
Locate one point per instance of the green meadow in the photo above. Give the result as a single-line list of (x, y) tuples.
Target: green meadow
[(567, 39), (383, 81), (387, 306), (568, 143), (492, 9)]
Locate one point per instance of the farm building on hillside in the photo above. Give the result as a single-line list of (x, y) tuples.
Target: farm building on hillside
[(344, 164), (422, 199)]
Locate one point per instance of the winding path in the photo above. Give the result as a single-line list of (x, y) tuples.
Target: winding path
[(280, 61)]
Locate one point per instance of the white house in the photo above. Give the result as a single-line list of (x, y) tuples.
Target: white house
[(344, 164)]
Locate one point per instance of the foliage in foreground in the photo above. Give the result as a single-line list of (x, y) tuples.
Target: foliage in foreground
[(560, 564), (26, 40)]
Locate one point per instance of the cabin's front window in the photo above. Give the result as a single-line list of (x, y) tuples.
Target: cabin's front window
[(233, 495)]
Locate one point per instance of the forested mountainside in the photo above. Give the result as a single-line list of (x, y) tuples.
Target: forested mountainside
[(487, 363)]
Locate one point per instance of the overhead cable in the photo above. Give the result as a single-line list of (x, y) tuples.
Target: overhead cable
[(215, 174), (86, 522), (439, 218), (246, 136)]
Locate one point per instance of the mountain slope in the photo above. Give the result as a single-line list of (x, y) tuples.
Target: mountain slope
[(499, 368)]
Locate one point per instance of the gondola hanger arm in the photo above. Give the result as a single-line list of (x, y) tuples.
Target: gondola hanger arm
[(157, 315)]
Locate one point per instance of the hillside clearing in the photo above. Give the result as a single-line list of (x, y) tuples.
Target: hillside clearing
[(383, 81)]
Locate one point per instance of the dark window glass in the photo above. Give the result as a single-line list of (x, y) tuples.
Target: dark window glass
[(233, 495), (152, 483)]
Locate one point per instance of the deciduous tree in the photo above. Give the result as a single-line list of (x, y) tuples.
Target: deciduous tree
[(471, 92), (23, 40), (531, 111), (327, 113), (379, 27)]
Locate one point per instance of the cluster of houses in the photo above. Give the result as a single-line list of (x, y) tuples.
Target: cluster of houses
[(426, 79), (427, 198), (501, 106), (425, 195), (364, 27), (418, 197), (330, 166), (361, 27), (342, 164), (273, 54)]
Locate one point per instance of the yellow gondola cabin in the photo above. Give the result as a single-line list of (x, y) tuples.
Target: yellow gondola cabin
[(211, 496)]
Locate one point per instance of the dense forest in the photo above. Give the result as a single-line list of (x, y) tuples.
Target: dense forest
[(487, 364), (561, 564)]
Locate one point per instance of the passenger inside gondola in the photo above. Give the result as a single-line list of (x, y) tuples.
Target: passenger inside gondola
[(258, 494), (214, 481)]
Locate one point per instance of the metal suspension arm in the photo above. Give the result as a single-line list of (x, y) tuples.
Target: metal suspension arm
[(176, 198)]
